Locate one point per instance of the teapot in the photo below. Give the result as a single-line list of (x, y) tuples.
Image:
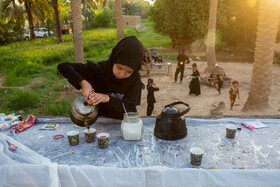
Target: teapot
[(83, 114), (169, 124)]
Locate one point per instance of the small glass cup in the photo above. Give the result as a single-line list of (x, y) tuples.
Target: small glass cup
[(73, 137), (103, 140)]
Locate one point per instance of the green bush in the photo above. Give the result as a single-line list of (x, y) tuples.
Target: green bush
[(103, 18), (20, 99)]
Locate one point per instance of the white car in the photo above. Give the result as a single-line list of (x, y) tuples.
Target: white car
[(26, 35), (40, 33)]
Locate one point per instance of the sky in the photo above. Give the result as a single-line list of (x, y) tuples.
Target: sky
[(150, 1)]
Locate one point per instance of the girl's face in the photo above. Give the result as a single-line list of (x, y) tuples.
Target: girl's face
[(122, 71), (194, 68), (235, 85)]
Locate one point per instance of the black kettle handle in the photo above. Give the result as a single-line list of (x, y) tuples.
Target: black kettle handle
[(180, 102)]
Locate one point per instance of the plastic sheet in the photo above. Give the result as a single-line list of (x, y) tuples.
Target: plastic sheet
[(149, 162)]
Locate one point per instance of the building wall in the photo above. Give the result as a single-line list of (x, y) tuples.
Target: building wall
[(132, 21)]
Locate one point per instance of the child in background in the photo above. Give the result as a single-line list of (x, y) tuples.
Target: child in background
[(195, 84), (151, 87), (219, 83), (233, 92), (182, 58)]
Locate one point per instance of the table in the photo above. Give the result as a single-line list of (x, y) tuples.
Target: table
[(249, 150), (251, 159), (168, 64)]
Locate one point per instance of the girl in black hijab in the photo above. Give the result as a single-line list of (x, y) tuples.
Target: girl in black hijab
[(110, 83), (195, 84)]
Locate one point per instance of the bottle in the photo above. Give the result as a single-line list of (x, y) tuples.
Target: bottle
[(132, 126)]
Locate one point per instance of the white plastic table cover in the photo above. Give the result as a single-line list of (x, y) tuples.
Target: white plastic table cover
[(251, 159)]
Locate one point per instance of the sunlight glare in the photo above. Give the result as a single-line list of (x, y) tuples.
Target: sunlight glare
[(251, 3)]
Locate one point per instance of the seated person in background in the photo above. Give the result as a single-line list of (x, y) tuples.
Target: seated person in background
[(147, 61), (154, 54)]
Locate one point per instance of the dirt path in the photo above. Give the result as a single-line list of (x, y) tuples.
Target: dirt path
[(37, 80), (201, 105)]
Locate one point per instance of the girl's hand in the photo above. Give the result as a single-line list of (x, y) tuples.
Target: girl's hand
[(96, 98), (86, 89)]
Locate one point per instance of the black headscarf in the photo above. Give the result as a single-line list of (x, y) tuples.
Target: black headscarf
[(130, 52)]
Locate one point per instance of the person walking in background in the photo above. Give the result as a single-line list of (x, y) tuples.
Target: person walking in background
[(182, 58), (147, 61), (194, 84), (151, 87), (233, 92), (220, 82)]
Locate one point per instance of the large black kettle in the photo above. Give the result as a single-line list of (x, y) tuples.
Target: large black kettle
[(169, 124)]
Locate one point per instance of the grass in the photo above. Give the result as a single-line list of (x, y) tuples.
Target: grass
[(149, 37), (20, 100), (23, 62)]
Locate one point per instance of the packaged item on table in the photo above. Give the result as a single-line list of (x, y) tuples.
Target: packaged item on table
[(247, 125), (4, 126), (49, 127), (23, 125)]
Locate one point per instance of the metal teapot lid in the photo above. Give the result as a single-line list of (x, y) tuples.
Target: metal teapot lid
[(170, 111), (82, 106)]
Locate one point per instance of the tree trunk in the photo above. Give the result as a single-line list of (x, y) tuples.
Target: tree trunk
[(15, 12), (48, 25), (264, 53), (36, 23), (119, 19), (57, 21), (84, 11), (27, 5), (105, 3), (77, 27), (211, 37)]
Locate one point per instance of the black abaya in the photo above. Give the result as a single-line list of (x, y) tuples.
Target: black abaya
[(195, 84)]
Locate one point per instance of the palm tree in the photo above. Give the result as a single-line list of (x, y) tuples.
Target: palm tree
[(28, 10), (105, 3), (84, 13), (77, 28), (211, 38), (11, 10), (268, 20), (119, 19), (55, 5)]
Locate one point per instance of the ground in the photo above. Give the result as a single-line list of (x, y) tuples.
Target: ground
[(201, 105)]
